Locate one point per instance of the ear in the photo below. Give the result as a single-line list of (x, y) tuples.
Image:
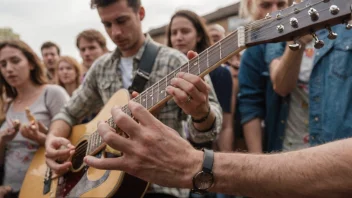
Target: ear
[(141, 13), (249, 7), (199, 38), (31, 67)]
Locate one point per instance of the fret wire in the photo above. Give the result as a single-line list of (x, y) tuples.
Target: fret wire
[(89, 143), (145, 100), (220, 50), (198, 65), (94, 142), (158, 90), (165, 85), (188, 67), (207, 57), (152, 96)]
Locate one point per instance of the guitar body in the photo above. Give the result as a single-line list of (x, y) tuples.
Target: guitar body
[(86, 181), (82, 181)]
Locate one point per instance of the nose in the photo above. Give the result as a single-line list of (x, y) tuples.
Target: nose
[(86, 52), (179, 35), (274, 7), (9, 68), (115, 30)]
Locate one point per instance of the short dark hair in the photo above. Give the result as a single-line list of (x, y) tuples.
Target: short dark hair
[(135, 4), (92, 35), (50, 44)]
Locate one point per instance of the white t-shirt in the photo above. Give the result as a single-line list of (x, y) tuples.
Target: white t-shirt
[(126, 66), (296, 132)]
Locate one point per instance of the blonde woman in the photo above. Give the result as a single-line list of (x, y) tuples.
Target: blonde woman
[(69, 73)]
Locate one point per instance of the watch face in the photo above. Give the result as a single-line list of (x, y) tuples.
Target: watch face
[(203, 180)]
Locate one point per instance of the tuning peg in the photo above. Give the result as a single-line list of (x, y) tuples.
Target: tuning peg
[(348, 26), (313, 13), (332, 35), (318, 43), (295, 46)]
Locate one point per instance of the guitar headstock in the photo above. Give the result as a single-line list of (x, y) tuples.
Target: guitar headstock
[(299, 20)]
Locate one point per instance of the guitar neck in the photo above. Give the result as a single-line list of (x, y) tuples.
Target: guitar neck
[(156, 95)]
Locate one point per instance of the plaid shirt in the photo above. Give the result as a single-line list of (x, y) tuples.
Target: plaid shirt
[(105, 78)]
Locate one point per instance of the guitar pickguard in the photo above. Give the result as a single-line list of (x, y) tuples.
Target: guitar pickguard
[(84, 185), (75, 184)]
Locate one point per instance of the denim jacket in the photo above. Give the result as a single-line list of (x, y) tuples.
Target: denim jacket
[(330, 87), (257, 99)]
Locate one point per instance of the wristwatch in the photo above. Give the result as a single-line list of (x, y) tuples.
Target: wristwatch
[(204, 179)]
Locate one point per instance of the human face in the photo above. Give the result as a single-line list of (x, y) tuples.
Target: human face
[(15, 67), (50, 57), (66, 72), (89, 51), (183, 34), (123, 26), (216, 35), (261, 7)]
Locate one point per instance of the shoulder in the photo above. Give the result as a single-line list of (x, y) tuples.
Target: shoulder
[(170, 53), (54, 88), (101, 61), (56, 91)]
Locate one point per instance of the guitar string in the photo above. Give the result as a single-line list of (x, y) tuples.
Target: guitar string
[(268, 29), (226, 45), (248, 28), (256, 33)]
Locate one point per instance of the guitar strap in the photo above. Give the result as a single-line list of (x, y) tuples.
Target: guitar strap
[(145, 67)]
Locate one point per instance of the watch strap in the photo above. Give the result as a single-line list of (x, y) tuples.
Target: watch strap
[(208, 160)]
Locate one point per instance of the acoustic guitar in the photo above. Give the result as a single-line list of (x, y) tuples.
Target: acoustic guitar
[(83, 181)]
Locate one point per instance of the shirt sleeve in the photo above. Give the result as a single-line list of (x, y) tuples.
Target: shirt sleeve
[(252, 83), (56, 97), (206, 136), (85, 99)]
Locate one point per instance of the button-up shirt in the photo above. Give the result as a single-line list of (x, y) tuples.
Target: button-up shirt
[(105, 78)]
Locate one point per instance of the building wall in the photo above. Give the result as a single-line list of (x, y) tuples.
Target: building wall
[(161, 38)]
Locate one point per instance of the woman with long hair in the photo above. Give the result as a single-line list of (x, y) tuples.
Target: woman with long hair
[(187, 32), (69, 73), (33, 103)]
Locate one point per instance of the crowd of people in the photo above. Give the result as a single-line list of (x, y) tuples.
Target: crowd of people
[(268, 122)]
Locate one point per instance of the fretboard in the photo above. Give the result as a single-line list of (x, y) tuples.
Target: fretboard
[(201, 65)]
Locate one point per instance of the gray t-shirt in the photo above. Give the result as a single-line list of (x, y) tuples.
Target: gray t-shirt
[(296, 132), (20, 151)]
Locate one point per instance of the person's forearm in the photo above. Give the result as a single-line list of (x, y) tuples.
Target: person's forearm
[(226, 136), (284, 71), (253, 136), (323, 171), (59, 128)]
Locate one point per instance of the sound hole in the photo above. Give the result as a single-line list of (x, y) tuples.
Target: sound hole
[(77, 158)]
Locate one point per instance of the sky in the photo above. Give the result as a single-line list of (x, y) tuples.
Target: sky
[(37, 21)]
